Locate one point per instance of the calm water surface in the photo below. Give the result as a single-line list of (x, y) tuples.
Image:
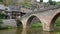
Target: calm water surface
[(28, 31)]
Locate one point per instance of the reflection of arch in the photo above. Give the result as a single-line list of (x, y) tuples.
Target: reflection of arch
[(30, 20), (19, 30), (54, 19), (19, 23)]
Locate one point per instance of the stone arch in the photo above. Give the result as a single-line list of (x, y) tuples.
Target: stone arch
[(53, 20), (28, 23)]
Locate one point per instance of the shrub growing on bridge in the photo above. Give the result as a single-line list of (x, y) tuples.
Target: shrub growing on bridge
[(27, 5)]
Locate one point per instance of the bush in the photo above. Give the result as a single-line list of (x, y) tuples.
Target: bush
[(2, 15)]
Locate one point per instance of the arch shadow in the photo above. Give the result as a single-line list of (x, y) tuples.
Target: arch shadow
[(31, 20), (53, 20), (19, 24)]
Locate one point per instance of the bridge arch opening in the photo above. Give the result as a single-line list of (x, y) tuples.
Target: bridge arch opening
[(54, 21), (19, 24), (34, 22)]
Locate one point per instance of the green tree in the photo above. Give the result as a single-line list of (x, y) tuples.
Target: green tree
[(41, 0), (52, 2), (1, 0)]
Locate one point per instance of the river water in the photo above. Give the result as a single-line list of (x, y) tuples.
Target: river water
[(29, 31)]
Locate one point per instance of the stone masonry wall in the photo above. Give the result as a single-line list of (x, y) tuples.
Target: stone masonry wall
[(9, 22)]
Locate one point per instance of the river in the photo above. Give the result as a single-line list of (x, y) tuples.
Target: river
[(29, 31)]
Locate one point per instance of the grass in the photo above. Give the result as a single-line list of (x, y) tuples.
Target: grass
[(36, 25)]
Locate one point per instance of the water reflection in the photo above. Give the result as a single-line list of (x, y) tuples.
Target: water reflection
[(48, 32), (35, 31), (19, 30), (26, 31)]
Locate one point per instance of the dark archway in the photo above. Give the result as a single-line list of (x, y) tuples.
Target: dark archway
[(33, 20), (54, 20), (19, 24)]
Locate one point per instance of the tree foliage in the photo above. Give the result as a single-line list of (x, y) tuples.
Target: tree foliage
[(41, 0), (52, 2), (1, 0), (2, 15)]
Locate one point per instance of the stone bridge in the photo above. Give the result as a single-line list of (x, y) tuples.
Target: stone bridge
[(47, 17)]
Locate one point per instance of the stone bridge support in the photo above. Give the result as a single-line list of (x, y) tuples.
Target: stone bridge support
[(47, 18)]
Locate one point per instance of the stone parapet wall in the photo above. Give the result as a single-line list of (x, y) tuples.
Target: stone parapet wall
[(9, 22)]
